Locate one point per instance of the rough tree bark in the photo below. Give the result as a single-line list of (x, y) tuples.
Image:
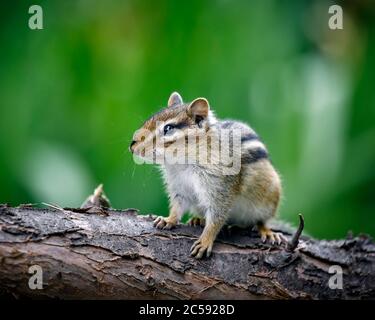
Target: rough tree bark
[(106, 253)]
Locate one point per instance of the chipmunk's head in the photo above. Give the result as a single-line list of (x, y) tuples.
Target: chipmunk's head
[(171, 125)]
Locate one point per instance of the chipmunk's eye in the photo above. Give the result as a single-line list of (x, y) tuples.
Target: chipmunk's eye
[(168, 128)]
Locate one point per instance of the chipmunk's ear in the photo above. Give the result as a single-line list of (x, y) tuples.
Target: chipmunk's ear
[(174, 99), (198, 109)]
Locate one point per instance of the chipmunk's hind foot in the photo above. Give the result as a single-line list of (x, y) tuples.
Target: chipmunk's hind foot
[(196, 221), (267, 234)]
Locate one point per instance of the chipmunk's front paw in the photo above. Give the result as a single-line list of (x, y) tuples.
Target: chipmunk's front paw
[(201, 246), (164, 223), (267, 234)]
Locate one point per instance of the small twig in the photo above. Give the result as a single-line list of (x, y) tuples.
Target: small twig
[(293, 243), (97, 199), (54, 206)]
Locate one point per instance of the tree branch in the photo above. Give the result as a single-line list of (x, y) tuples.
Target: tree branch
[(106, 253)]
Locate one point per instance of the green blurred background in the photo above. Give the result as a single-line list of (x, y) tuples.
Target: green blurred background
[(72, 94)]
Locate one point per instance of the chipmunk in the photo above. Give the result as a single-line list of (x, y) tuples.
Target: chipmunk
[(248, 197)]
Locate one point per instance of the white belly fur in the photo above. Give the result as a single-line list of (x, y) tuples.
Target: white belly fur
[(244, 213)]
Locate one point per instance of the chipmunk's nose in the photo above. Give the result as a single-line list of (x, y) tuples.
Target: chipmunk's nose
[(131, 146)]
